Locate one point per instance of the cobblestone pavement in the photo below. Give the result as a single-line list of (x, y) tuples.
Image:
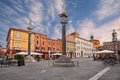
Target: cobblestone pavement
[(112, 74), (44, 70)]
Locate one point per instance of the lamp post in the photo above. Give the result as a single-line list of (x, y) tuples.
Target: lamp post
[(114, 39), (63, 17), (30, 28)]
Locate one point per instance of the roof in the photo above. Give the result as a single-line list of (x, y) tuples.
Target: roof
[(22, 30), (71, 42), (95, 40), (83, 39)]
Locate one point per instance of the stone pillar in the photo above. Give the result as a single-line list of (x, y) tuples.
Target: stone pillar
[(63, 22)]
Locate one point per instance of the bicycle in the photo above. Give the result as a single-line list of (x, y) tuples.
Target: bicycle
[(109, 61)]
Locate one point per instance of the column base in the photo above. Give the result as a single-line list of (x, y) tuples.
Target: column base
[(63, 61), (29, 59)]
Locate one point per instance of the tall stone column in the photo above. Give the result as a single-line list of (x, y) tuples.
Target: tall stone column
[(63, 60), (29, 58), (29, 37), (63, 17), (114, 39)]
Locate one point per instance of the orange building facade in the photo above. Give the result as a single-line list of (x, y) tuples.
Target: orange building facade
[(46, 46), (96, 43), (2, 51), (17, 41)]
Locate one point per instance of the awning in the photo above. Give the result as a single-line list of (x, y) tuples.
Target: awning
[(105, 51)]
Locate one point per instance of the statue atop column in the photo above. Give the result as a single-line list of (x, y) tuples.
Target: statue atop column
[(114, 35)]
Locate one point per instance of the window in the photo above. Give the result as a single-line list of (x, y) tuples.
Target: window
[(49, 42), (18, 35), (17, 44), (37, 42), (37, 37), (43, 43), (53, 49), (49, 49), (43, 49)]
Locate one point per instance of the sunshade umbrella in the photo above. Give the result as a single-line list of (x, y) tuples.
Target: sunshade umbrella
[(56, 54), (105, 51), (21, 53), (35, 53)]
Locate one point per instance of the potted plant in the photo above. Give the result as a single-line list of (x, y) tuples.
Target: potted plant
[(20, 59)]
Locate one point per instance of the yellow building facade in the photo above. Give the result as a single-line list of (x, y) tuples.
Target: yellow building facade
[(70, 49), (17, 40)]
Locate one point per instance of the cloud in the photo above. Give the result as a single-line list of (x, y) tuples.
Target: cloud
[(58, 5), (55, 8), (70, 28), (102, 32), (107, 8), (8, 11), (17, 5), (51, 11), (86, 27), (57, 32), (36, 11)]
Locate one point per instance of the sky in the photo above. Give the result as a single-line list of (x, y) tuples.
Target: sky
[(86, 17)]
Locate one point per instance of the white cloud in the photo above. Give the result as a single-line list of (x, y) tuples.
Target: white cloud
[(58, 5), (36, 11), (108, 8), (57, 32), (17, 4), (55, 8), (102, 33), (85, 28), (8, 11), (70, 28), (51, 11)]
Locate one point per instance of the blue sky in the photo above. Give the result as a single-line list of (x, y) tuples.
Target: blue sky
[(97, 17)]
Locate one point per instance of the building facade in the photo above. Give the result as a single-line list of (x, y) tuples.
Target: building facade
[(2, 51), (17, 41), (83, 47), (46, 45), (70, 49), (114, 46), (96, 43)]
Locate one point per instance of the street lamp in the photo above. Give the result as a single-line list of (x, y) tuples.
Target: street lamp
[(63, 17), (30, 28), (114, 39)]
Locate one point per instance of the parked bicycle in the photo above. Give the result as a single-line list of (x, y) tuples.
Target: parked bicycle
[(109, 61)]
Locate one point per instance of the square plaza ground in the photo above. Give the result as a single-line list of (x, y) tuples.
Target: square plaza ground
[(44, 70)]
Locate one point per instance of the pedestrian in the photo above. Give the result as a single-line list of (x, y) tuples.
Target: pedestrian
[(93, 57)]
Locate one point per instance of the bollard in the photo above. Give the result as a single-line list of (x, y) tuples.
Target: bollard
[(53, 63), (77, 63)]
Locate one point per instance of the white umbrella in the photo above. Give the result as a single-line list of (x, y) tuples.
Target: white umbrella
[(56, 54), (105, 51), (35, 53), (21, 53)]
